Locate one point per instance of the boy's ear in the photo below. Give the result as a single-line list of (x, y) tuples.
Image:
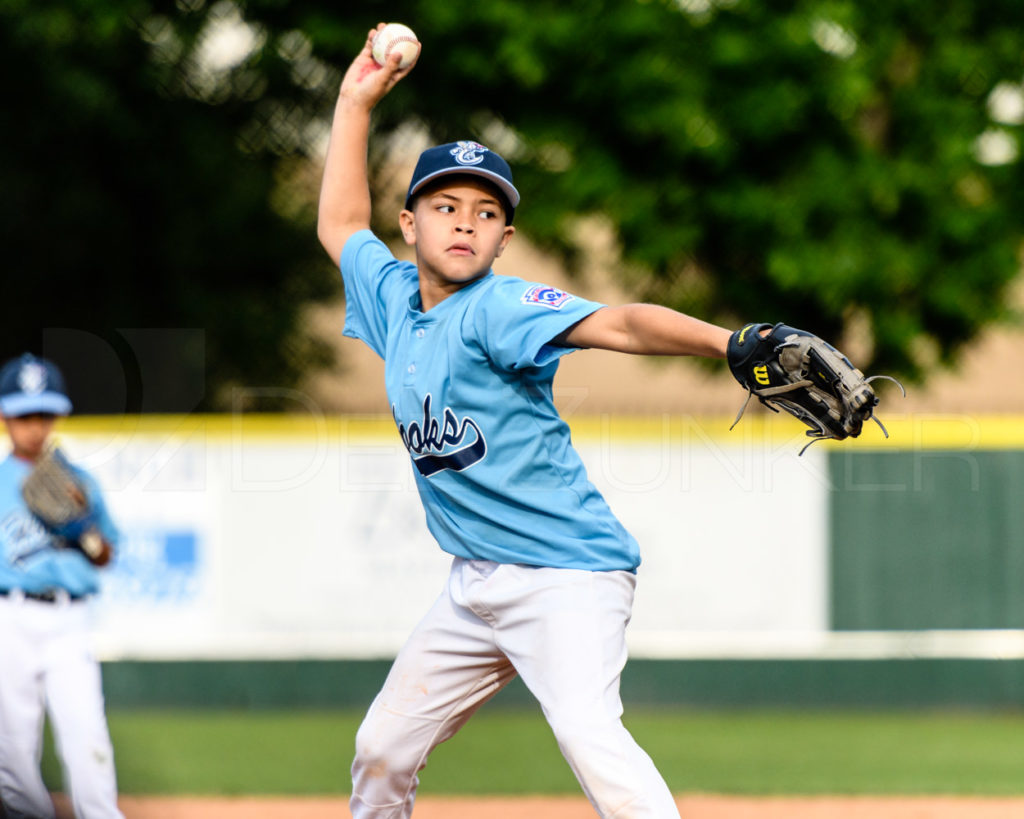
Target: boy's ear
[(407, 222), (505, 239)]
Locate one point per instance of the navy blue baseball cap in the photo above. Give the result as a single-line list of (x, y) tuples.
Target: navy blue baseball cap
[(464, 157), (29, 385)]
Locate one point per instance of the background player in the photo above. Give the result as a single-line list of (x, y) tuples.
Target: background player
[(543, 574), (45, 581)]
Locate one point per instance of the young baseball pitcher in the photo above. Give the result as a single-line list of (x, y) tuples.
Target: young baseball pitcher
[(46, 579), (543, 574)]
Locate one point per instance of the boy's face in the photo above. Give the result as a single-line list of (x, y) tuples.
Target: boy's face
[(29, 433), (458, 229)]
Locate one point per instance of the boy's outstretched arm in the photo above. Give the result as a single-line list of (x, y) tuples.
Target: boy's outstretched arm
[(647, 329), (344, 191)]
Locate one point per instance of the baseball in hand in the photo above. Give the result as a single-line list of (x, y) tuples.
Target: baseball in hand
[(395, 38)]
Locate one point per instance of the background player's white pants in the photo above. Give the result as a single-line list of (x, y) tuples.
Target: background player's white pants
[(563, 631), (45, 663)]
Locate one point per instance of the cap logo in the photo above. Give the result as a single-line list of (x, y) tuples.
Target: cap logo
[(468, 153), (32, 378)]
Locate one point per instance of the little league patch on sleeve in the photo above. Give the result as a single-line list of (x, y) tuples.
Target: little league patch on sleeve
[(550, 297)]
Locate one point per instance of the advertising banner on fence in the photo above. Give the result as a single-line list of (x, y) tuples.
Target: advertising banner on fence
[(270, 539)]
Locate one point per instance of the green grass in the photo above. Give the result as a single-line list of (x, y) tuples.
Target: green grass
[(512, 751), (836, 752)]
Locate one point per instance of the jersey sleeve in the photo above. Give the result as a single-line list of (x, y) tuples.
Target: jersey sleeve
[(370, 273), (517, 320)]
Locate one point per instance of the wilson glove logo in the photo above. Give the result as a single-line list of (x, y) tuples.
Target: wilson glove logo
[(445, 443), (761, 374)]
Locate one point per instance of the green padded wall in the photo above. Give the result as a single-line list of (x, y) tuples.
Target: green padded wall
[(927, 539), (270, 684)]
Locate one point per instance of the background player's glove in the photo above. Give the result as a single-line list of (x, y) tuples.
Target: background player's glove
[(55, 494), (796, 371)]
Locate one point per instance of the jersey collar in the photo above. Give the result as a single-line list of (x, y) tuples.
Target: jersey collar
[(438, 310)]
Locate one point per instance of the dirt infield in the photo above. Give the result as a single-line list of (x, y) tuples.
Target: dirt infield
[(542, 807)]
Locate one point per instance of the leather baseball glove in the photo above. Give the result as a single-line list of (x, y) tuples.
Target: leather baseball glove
[(55, 494), (793, 370)]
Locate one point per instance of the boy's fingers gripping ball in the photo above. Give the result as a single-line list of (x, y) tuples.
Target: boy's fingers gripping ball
[(395, 38)]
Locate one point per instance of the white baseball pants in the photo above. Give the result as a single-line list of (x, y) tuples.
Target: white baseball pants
[(563, 632), (46, 665)]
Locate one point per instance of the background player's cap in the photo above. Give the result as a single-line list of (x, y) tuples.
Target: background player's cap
[(464, 157), (29, 385)]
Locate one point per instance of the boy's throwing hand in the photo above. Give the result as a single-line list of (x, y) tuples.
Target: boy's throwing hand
[(366, 82)]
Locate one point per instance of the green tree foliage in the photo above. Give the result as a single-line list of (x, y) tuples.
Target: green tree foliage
[(139, 193), (831, 164)]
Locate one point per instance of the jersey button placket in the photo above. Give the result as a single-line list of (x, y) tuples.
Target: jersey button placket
[(414, 354)]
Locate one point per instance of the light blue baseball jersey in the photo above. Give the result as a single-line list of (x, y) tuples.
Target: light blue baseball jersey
[(470, 387), (31, 559)]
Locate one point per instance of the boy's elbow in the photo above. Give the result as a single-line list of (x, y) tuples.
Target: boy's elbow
[(323, 233), (333, 236), (327, 242)]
